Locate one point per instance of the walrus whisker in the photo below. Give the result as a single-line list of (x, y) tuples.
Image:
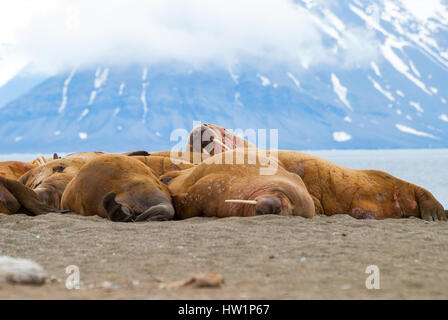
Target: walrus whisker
[(242, 201)]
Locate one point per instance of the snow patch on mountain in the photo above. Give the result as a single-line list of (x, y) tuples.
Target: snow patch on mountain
[(294, 79), (143, 94), (65, 90), (375, 68), (83, 114), (264, 80), (341, 136), (340, 91), (378, 87), (410, 130), (100, 79), (398, 64), (443, 117), (417, 106), (121, 89)]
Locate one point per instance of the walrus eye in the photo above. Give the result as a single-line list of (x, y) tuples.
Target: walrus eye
[(58, 169)]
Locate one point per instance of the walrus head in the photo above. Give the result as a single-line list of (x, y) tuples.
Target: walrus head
[(161, 210), (39, 175), (279, 197), (213, 139)]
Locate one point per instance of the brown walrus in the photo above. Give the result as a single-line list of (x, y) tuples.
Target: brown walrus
[(11, 170), (363, 194), (204, 189), (120, 188), (40, 190), (50, 180), (43, 186), (14, 169), (213, 139), (161, 165), (8, 203)]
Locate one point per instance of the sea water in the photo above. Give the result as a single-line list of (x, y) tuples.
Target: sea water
[(425, 167)]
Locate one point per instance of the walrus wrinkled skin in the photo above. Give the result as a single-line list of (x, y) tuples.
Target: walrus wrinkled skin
[(161, 165), (11, 170), (120, 188), (204, 189), (44, 185), (363, 194), (8, 203), (14, 169), (49, 181)]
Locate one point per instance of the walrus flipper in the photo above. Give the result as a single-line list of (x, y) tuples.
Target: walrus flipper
[(430, 208), (8, 203), (115, 211), (160, 212), (28, 198)]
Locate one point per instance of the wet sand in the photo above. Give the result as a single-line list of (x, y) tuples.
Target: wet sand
[(264, 257)]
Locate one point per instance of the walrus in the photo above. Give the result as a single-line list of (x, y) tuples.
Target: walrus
[(363, 194), (11, 170), (14, 169), (161, 165), (87, 156), (119, 188), (17, 198), (39, 190), (214, 139), (224, 190), (8, 203), (49, 181)]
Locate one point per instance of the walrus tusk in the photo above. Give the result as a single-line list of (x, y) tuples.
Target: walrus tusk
[(242, 201)]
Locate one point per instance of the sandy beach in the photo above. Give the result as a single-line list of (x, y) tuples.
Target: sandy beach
[(264, 257)]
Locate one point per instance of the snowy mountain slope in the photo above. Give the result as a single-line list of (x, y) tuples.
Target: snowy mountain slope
[(398, 101)]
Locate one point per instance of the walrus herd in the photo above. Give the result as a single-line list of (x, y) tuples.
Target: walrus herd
[(218, 176)]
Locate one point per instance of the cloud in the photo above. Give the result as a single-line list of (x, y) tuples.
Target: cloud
[(61, 33)]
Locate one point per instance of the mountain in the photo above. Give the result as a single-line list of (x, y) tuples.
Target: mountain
[(19, 85), (399, 101)]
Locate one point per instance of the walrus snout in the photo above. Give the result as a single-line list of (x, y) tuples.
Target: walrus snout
[(160, 212), (268, 205), (116, 211)]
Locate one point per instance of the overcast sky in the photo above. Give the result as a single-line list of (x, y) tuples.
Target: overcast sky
[(57, 34)]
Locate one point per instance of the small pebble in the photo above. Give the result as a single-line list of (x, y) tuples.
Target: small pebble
[(108, 285), (135, 283), (303, 259)]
